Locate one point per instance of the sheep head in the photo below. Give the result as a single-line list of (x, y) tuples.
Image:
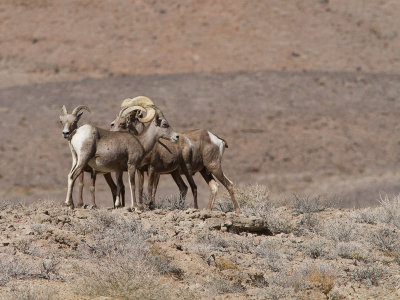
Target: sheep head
[(70, 121)]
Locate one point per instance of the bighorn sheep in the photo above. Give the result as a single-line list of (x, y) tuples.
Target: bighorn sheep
[(70, 124), (107, 151), (197, 151)]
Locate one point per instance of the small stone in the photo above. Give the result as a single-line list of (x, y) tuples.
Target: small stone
[(4, 243), (11, 227), (82, 214), (205, 215)]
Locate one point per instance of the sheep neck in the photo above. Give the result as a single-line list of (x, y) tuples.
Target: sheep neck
[(148, 137)]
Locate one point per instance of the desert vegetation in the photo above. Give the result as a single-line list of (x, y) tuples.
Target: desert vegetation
[(301, 247)]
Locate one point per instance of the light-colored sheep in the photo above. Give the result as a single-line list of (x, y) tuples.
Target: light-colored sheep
[(107, 151), (197, 151), (70, 124)]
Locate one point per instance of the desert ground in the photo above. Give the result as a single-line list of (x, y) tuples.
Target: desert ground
[(306, 95)]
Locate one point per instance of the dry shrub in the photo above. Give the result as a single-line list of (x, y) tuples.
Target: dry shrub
[(271, 255), (122, 264), (170, 202), (307, 204), (316, 248), (351, 250), (218, 284), (368, 275), (33, 291), (326, 281), (366, 215), (390, 210), (225, 264), (254, 200), (341, 231), (301, 277), (309, 222), (13, 268), (386, 239), (213, 241)]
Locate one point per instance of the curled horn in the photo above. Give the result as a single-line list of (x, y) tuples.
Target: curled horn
[(150, 112), (140, 100), (64, 110), (79, 108), (128, 110)]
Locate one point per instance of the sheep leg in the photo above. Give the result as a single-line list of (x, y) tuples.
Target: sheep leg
[(80, 201), (120, 185), (150, 182), (72, 176), (154, 186), (112, 186), (219, 174), (93, 188), (181, 184), (131, 176), (140, 174), (187, 170), (122, 193), (213, 187)]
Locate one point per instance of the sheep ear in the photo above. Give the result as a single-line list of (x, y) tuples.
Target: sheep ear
[(158, 121), (78, 116)]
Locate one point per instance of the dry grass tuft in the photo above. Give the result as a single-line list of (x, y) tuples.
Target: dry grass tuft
[(325, 280)]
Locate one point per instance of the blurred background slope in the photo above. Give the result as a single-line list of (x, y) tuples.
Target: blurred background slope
[(305, 92)]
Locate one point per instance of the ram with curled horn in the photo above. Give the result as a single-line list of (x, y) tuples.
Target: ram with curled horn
[(70, 125), (197, 151), (107, 151), (140, 101)]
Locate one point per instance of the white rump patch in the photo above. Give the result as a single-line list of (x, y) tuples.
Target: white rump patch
[(218, 142)]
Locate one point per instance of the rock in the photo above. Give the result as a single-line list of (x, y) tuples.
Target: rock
[(204, 214), (82, 213), (11, 227), (29, 232), (5, 243)]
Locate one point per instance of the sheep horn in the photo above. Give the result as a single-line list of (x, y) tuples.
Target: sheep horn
[(64, 110), (150, 112), (128, 110), (140, 100), (79, 108)]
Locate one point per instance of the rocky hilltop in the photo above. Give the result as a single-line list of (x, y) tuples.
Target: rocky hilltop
[(304, 248)]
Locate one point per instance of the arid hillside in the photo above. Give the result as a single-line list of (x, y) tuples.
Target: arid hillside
[(43, 40), (304, 250), (305, 93)]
